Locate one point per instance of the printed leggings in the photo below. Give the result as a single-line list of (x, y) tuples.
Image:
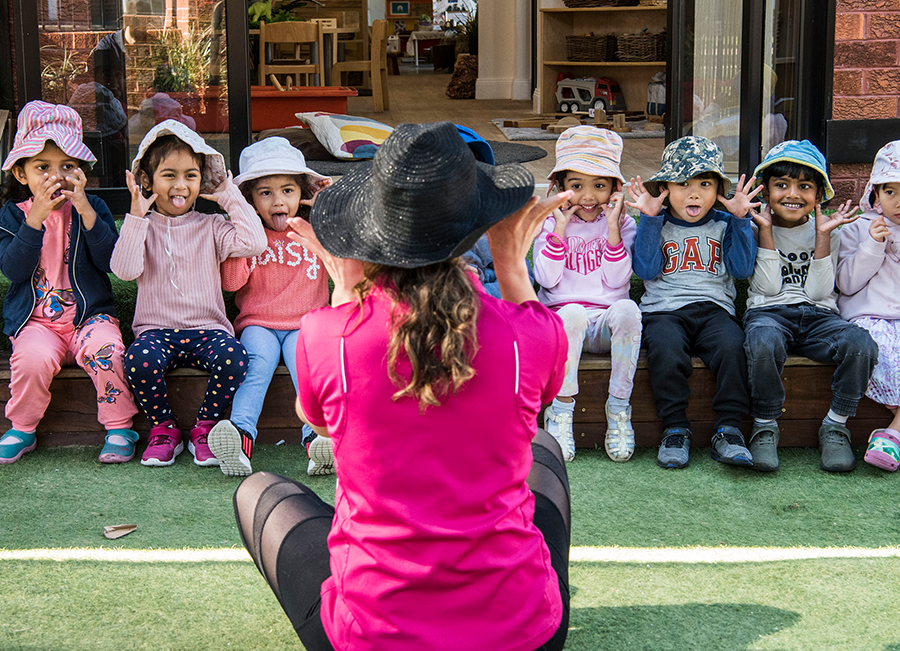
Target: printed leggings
[(156, 352), (284, 525)]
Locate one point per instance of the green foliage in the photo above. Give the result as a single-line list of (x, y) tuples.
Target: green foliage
[(181, 59)]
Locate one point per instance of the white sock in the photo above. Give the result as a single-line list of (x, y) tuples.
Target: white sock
[(837, 418), (760, 422), (559, 406)]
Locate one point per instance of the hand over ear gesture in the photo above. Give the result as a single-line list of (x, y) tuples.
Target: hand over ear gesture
[(643, 200), (878, 229), (844, 214), (742, 201), (140, 205)]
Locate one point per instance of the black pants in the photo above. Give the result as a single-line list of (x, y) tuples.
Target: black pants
[(284, 525), (709, 331)]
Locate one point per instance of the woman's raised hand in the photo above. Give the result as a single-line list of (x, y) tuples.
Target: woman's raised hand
[(510, 241), (344, 272)]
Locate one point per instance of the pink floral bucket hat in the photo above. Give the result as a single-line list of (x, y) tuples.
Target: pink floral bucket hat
[(886, 169), (39, 122)]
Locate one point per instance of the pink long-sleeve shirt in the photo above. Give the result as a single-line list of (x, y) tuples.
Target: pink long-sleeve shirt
[(587, 270), (175, 261)]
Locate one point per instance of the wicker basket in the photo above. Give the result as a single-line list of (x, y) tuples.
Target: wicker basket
[(600, 3), (641, 47), (591, 48)]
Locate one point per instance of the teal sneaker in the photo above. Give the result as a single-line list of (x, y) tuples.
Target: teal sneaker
[(119, 446), (14, 444)]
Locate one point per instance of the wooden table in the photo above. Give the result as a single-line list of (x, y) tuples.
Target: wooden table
[(330, 47)]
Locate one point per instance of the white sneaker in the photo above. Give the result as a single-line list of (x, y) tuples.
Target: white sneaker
[(230, 445), (619, 442), (560, 427), (321, 457)]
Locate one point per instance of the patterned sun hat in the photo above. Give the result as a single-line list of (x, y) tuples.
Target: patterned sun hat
[(39, 122), (589, 150), (687, 157), (886, 169), (802, 152)]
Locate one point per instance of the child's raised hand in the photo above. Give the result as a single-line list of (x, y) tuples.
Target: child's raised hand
[(79, 199), (643, 200), (613, 209), (844, 214), (562, 216), (878, 229), (320, 185), (345, 272), (762, 218), (742, 201), (140, 204), (44, 201), (215, 194)]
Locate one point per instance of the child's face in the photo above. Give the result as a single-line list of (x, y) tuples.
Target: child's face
[(176, 182), (52, 161), (591, 193), (889, 200), (276, 198), (790, 200), (692, 200)]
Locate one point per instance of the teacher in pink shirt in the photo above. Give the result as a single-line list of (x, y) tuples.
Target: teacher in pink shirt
[(451, 522)]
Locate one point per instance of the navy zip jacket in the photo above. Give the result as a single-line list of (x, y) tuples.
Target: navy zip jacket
[(89, 254)]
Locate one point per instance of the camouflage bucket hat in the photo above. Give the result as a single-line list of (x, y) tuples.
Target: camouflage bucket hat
[(687, 157)]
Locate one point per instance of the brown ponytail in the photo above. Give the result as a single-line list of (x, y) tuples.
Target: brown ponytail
[(433, 323)]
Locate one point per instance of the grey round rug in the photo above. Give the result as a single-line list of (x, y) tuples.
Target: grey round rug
[(504, 152)]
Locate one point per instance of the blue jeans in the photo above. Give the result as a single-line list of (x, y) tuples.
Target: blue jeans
[(813, 332), (265, 348)]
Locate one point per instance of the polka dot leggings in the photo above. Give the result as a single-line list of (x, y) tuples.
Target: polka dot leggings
[(156, 352)]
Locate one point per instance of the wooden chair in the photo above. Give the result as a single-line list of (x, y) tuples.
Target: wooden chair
[(296, 35), (376, 65)]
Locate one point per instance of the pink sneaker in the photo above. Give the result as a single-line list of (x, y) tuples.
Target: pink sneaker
[(165, 444), (884, 450), (198, 446)]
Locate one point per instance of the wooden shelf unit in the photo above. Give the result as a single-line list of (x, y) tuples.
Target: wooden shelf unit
[(632, 76)]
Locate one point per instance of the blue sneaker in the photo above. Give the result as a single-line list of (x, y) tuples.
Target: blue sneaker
[(675, 448), (14, 444), (728, 447)]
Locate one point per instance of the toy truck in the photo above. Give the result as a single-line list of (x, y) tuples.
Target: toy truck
[(579, 95)]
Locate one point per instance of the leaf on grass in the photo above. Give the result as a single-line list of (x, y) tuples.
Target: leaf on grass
[(118, 530)]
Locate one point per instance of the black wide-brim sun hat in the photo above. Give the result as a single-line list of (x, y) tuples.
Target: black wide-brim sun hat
[(425, 199)]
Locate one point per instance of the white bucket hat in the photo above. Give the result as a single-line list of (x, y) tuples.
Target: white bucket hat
[(273, 156), (886, 169), (214, 173)]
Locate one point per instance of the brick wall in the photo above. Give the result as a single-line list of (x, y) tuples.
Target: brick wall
[(866, 76)]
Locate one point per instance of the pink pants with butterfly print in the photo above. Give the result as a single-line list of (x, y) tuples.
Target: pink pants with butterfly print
[(42, 347)]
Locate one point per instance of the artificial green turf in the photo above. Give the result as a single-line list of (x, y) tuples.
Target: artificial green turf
[(62, 498)]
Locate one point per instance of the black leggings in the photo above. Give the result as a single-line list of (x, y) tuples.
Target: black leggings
[(284, 525)]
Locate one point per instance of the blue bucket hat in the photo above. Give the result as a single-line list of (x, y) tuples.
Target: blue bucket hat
[(687, 157), (802, 152)]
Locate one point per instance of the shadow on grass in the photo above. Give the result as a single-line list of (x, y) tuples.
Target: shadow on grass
[(683, 627)]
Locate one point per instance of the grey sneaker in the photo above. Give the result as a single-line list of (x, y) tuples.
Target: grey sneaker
[(675, 448), (764, 447), (728, 447), (835, 450)]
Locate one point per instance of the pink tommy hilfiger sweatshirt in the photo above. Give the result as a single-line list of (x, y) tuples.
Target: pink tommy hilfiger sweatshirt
[(175, 261), (587, 270)]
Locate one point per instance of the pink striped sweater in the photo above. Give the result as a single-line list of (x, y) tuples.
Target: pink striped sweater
[(175, 261)]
